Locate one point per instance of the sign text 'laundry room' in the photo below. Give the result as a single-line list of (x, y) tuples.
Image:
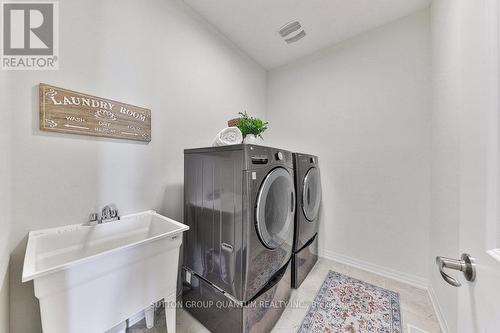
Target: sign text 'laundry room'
[(67, 111)]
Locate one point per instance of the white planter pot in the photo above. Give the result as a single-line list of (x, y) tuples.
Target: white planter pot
[(252, 139)]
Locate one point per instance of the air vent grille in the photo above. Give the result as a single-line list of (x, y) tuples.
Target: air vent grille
[(295, 38), (292, 32), (289, 28)]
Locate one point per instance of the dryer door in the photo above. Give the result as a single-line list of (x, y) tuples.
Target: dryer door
[(275, 208), (311, 194)]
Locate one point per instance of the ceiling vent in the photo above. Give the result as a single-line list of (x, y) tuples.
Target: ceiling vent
[(292, 32)]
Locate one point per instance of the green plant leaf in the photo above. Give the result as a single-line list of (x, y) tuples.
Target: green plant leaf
[(251, 125)]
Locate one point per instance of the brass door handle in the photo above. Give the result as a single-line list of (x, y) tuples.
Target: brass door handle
[(466, 265)]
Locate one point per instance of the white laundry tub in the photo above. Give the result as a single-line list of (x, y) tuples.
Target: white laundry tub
[(89, 279)]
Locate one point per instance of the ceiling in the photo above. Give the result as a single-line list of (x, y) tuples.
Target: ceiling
[(253, 24)]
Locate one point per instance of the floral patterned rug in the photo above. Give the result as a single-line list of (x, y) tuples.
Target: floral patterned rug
[(347, 305)]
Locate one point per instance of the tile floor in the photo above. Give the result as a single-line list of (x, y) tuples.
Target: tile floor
[(416, 307)]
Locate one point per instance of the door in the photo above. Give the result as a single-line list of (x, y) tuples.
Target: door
[(479, 302), (311, 194), (477, 41), (275, 208)]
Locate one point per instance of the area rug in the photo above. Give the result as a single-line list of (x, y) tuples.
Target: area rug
[(347, 305)]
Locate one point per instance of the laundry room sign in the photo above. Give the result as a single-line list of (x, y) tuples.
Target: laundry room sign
[(67, 111)]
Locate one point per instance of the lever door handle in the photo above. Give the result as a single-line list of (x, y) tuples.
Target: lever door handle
[(466, 265), (448, 263)]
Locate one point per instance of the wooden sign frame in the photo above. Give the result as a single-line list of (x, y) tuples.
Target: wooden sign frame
[(67, 111)]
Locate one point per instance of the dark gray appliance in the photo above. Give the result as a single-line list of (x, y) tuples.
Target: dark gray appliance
[(240, 207), (305, 245)]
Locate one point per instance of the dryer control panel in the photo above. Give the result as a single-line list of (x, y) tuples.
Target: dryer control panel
[(260, 156)]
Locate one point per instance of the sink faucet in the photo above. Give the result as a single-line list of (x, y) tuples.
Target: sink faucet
[(108, 214)]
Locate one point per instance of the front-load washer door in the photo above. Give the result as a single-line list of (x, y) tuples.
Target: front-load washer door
[(275, 208), (311, 194)]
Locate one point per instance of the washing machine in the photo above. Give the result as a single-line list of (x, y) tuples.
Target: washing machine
[(240, 207), (308, 188)]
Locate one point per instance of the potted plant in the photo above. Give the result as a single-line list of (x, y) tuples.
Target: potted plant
[(251, 128)]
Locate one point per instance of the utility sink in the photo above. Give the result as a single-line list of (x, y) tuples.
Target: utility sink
[(92, 278)]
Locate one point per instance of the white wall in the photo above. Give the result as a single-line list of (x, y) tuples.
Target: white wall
[(5, 216), (444, 228), (363, 106), (148, 53)]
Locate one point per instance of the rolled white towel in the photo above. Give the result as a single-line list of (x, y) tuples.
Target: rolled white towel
[(228, 136)]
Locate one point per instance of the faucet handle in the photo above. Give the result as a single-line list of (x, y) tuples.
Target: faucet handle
[(93, 218)]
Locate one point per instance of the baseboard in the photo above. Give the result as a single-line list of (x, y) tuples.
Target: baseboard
[(437, 309), (390, 273), (135, 318), (414, 329)]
